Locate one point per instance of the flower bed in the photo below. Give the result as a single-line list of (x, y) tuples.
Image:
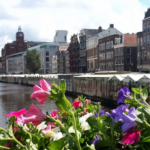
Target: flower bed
[(82, 125)]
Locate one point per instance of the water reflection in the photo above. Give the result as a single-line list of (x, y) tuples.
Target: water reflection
[(15, 97)]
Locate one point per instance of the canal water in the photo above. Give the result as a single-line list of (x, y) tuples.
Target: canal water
[(14, 97)]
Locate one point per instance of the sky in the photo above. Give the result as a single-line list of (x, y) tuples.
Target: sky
[(39, 19)]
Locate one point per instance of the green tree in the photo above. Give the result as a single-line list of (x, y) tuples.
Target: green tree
[(33, 62)]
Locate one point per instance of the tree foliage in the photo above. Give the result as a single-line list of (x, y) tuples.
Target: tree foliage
[(33, 62)]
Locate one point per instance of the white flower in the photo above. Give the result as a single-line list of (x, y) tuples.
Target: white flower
[(49, 134), (57, 129), (71, 130), (84, 125), (85, 117), (57, 135), (41, 126)]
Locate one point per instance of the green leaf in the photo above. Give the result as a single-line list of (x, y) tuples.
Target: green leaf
[(63, 86), (90, 107), (10, 129), (64, 105), (137, 90), (147, 110), (94, 123), (144, 93), (57, 145), (147, 139)]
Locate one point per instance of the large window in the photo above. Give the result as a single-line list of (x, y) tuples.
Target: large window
[(128, 51), (47, 53), (148, 40), (128, 60), (47, 59), (47, 65), (145, 40), (144, 27), (109, 55), (116, 61), (102, 56)]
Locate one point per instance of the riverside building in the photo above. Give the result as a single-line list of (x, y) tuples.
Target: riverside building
[(143, 44)]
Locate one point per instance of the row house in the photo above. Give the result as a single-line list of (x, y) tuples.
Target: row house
[(143, 45), (67, 64), (74, 54), (92, 51), (125, 53), (106, 53), (83, 36)]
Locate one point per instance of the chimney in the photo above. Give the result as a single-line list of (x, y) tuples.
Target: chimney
[(100, 29), (111, 25)]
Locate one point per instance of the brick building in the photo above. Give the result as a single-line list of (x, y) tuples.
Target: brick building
[(125, 53), (84, 35), (106, 52), (74, 54), (15, 47), (143, 45)]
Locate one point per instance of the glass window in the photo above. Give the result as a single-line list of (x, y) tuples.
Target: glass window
[(128, 60), (128, 51), (47, 59), (116, 61), (116, 52), (47, 65), (144, 40), (47, 53)]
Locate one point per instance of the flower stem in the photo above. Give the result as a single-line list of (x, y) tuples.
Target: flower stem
[(2, 147), (146, 123), (75, 128)]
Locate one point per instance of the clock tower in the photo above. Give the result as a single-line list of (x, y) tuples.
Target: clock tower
[(19, 40)]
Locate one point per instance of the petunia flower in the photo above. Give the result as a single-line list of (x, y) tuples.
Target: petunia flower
[(128, 121), (17, 114), (54, 114), (77, 104), (102, 112), (41, 126), (124, 93), (131, 137), (83, 124), (87, 101), (41, 93), (34, 115), (57, 135)]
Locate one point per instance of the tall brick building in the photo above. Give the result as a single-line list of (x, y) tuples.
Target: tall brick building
[(15, 47), (74, 54), (143, 45)]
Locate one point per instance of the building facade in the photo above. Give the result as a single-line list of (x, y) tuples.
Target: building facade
[(54, 64), (61, 62), (106, 53), (125, 53), (61, 36), (67, 64), (83, 36), (74, 54), (16, 63), (143, 45)]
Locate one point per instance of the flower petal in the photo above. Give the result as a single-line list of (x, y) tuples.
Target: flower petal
[(45, 86), (36, 88)]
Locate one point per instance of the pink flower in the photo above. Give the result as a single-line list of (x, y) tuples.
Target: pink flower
[(18, 113), (54, 114), (47, 129), (77, 104), (131, 137), (7, 145), (34, 115), (76, 99), (87, 101), (41, 93)]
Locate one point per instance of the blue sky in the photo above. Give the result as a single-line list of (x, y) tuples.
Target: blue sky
[(40, 19)]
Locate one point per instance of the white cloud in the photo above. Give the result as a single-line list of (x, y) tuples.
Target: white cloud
[(40, 19)]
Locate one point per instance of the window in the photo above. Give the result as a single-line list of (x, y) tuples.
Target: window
[(47, 59), (144, 27), (116, 52), (128, 60), (47, 65), (65, 37), (91, 64), (122, 61), (144, 40), (102, 56), (121, 51), (116, 61), (148, 38), (47, 53), (148, 26), (128, 51)]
